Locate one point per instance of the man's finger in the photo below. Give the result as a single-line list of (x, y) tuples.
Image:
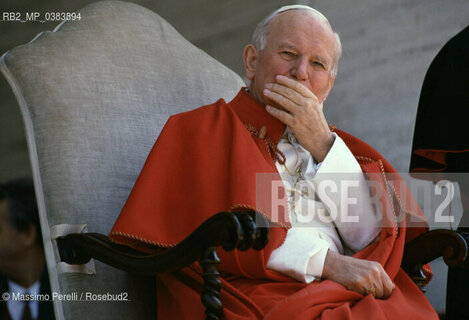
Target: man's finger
[(379, 290), (283, 116), (388, 285), (285, 91), (281, 100), (295, 85)]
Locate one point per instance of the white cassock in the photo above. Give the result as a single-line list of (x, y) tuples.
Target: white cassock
[(316, 194)]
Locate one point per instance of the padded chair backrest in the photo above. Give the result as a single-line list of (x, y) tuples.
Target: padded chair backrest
[(94, 95)]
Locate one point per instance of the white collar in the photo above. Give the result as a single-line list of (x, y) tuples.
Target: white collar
[(33, 289), (16, 307)]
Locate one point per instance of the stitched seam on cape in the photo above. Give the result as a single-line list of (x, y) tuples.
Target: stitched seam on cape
[(365, 158), (248, 206), (134, 237), (386, 183), (388, 186), (400, 202)]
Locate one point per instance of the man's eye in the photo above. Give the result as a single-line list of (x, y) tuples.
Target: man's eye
[(287, 54), (318, 64)]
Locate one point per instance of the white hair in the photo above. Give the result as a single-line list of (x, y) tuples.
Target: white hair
[(260, 33)]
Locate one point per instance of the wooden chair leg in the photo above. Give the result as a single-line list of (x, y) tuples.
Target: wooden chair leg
[(210, 295)]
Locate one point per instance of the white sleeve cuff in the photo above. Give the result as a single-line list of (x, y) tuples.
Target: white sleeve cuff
[(299, 257), (341, 186), (316, 264), (339, 159)]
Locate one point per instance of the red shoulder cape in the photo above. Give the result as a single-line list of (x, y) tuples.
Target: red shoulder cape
[(206, 161)]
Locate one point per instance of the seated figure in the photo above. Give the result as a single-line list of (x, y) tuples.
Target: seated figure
[(23, 272), (228, 156)]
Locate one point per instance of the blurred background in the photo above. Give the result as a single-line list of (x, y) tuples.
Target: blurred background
[(388, 47)]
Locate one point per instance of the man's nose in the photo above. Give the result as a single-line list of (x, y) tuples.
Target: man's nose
[(300, 70)]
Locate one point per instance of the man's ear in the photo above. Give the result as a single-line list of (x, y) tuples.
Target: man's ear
[(331, 82), (250, 56)]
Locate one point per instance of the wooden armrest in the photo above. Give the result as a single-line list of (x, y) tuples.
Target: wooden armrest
[(239, 230), (451, 245), (230, 230)]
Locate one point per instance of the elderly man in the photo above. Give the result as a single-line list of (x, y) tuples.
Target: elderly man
[(212, 159)]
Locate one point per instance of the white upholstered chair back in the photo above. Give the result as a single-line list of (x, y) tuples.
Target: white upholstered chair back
[(94, 95)]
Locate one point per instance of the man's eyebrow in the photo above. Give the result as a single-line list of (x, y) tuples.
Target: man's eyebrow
[(321, 59)]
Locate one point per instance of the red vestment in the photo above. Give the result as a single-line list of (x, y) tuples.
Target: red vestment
[(205, 161)]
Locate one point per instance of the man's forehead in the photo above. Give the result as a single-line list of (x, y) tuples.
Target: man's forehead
[(294, 17), (286, 33), (295, 20)]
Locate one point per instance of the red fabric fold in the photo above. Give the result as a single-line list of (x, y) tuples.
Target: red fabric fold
[(206, 161)]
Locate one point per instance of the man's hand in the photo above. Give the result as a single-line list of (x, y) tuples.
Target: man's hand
[(304, 115), (358, 275)]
